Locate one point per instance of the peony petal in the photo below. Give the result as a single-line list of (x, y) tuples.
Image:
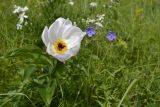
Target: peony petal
[(55, 29), (45, 38), (63, 57), (74, 40), (73, 51), (50, 50), (66, 25), (73, 31)]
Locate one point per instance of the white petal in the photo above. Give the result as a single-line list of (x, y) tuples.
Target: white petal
[(73, 31), (99, 24), (50, 50), (66, 26), (63, 57), (25, 8), (55, 29), (45, 36), (75, 39), (73, 51)]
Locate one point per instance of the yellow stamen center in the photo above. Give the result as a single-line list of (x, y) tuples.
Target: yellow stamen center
[(60, 46)]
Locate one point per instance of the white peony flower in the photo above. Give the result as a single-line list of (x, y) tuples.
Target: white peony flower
[(62, 39)]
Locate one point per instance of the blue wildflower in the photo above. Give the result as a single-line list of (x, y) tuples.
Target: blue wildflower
[(111, 36), (90, 31)]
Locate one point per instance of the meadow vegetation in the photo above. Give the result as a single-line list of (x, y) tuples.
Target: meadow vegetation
[(123, 73)]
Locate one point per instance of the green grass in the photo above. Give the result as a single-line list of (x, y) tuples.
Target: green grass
[(103, 74)]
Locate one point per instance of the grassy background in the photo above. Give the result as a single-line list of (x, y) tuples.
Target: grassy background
[(103, 74)]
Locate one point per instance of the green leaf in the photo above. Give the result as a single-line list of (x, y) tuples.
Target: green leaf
[(42, 60), (47, 92), (28, 72), (40, 82), (30, 54), (28, 50)]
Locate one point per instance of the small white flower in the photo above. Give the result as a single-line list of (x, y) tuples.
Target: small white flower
[(98, 21), (62, 39), (16, 10), (25, 8), (19, 9), (26, 23), (93, 4), (111, 1), (19, 26), (22, 17), (90, 20), (110, 6), (71, 3), (99, 24), (83, 20), (100, 17), (21, 12), (74, 23)]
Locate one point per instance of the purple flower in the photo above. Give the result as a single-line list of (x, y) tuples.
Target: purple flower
[(90, 31), (111, 36)]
